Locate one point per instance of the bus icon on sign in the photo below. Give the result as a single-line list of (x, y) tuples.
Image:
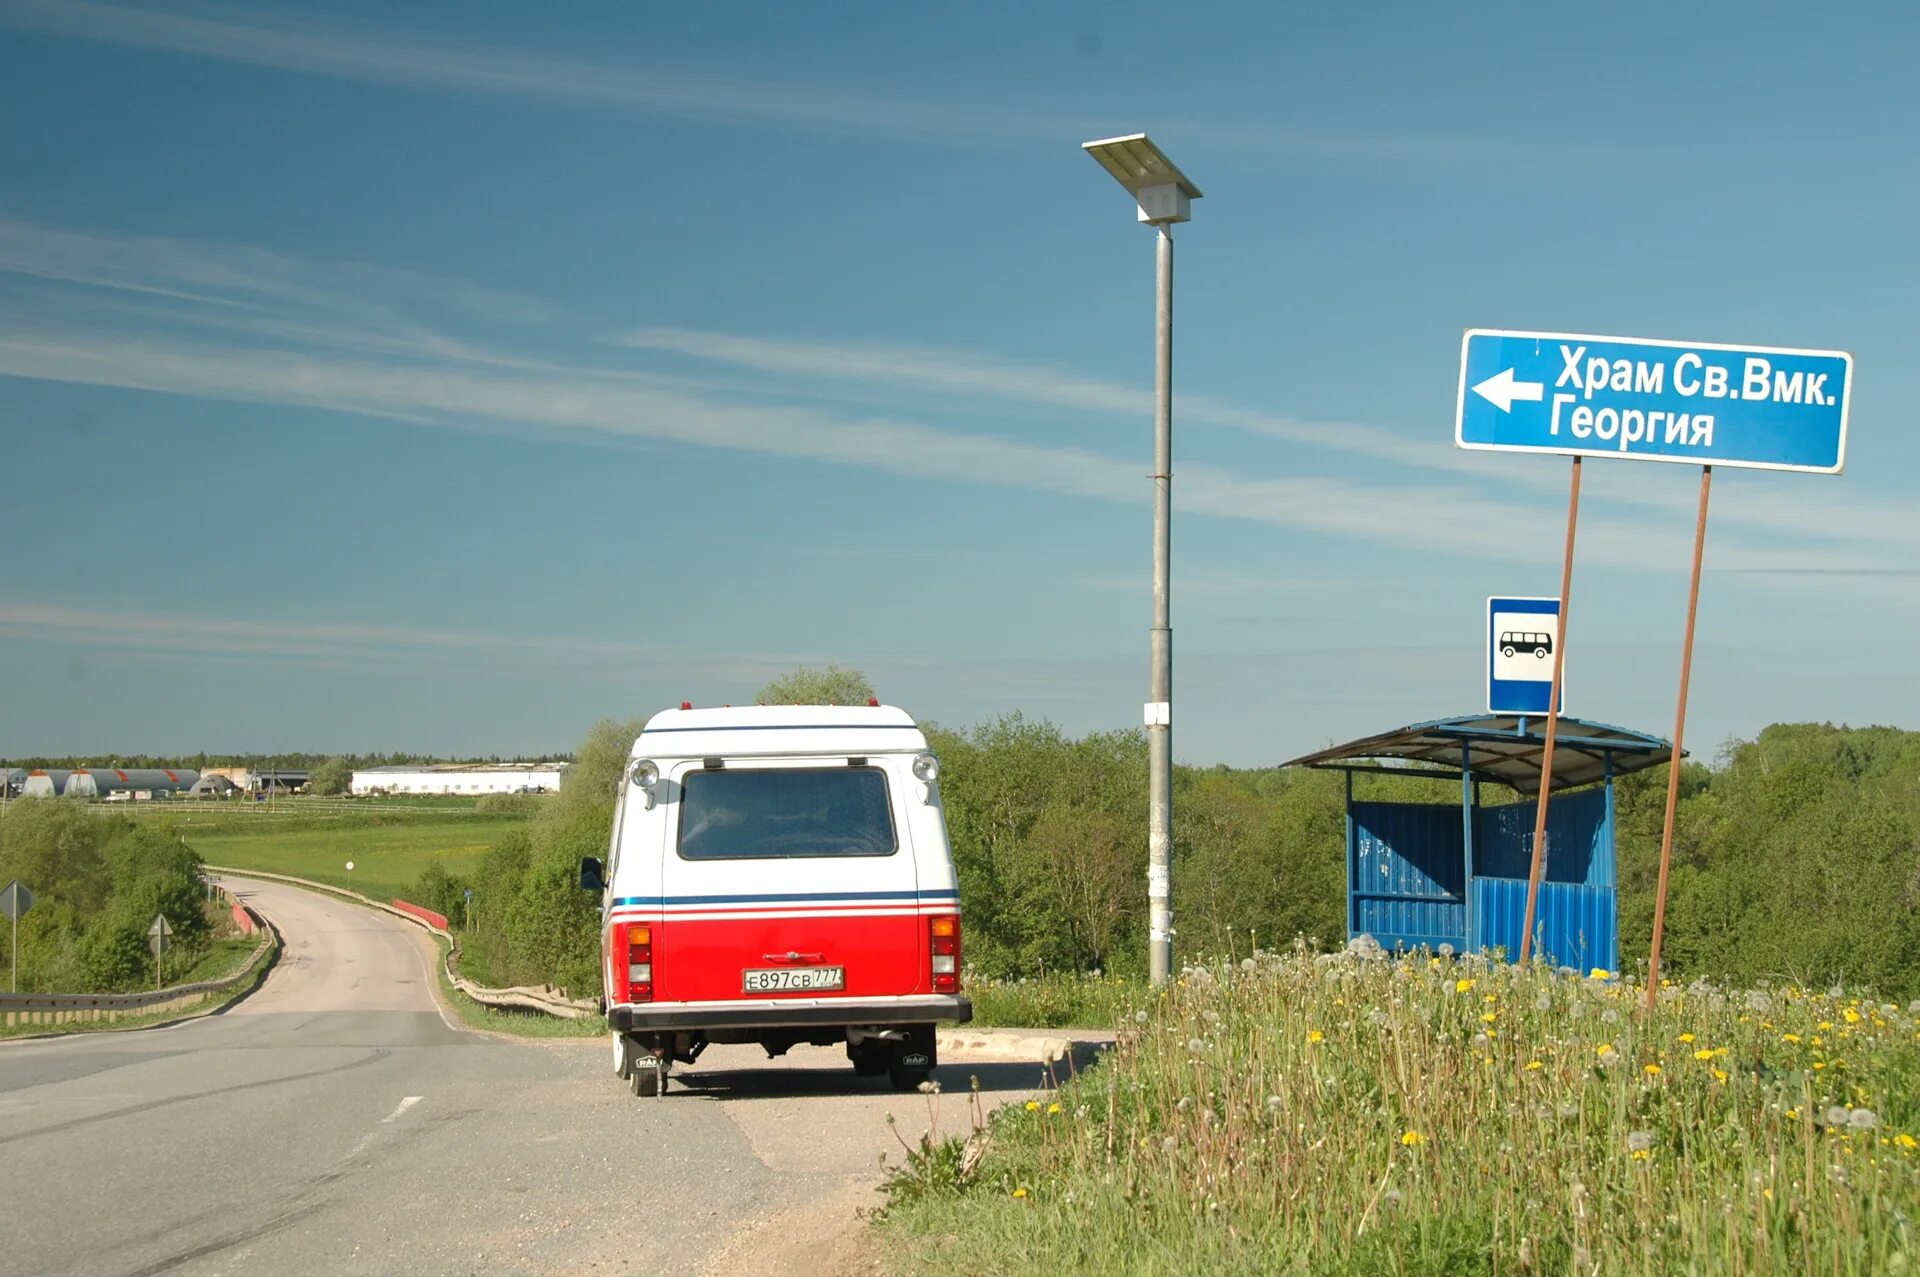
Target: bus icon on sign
[(1514, 642)]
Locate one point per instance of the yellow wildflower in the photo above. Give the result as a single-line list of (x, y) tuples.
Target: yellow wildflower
[(1906, 1141), (1314, 1035), (1826, 1026), (1852, 1016), (1021, 1191), (1033, 1106), (1815, 1039), (1413, 1137), (1720, 1075), (1533, 1066), (1641, 1155), (1053, 1108), (1686, 1037), (1488, 1018), (1703, 1054), (1598, 973), (1461, 986), (1651, 1070), (1790, 1037)]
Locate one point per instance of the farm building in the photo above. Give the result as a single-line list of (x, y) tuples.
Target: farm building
[(213, 785), (45, 783), (461, 778), (139, 783)]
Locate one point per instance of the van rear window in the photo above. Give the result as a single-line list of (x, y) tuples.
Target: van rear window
[(787, 812)]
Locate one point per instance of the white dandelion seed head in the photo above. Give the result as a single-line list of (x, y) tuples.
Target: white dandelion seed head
[(1610, 1016), (1207, 1118), (1837, 1115), (1863, 1119), (1445, 950), (1481, 1040), (1139, 1017), (1169, 1143), (1274, 1104), (1543, 1003), (1186, 1102), (1195, 1045), (1609, 1058), (1393, 1197), (1759, 1000), (1639, 1141)]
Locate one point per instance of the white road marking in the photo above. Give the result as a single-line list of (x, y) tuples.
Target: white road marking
[(405, 1104)]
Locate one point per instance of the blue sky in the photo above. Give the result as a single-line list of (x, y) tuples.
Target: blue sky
[(445, 378)]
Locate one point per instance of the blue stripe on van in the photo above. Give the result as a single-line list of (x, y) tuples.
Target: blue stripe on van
[(786, 899)]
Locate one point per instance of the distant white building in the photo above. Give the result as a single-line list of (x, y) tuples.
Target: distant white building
[(461, 778)]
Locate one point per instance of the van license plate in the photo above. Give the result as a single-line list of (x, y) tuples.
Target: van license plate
[(793, 979)]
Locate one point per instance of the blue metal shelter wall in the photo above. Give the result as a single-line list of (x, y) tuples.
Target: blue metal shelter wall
[(1406, 878), (1574, 926), (1579, 840), (1406, 875)]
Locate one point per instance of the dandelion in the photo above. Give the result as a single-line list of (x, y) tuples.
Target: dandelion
[(1186, 1102), (1195, 1045), (1603, 1049), (1569, 1108), (1315, 1035), (1543, 1003), (1703, 1054), (1610, 1016), (1651, 1070), (1720, 1076), (1906, 1141), (1021, 1191), (1793, 1038), (1609, 1058), (1139, 1017), (1599, 973), (1053, 1108), (1446, 950), (1863, 1119), (1033, 1106), (1837, 1115), (1169, 1144), (1412, 1138), (1534, 1066), (1274, 1104), (1851, 1016), (1686, 1037), (1480, 1041), (1462, 985), (1489, 1017)]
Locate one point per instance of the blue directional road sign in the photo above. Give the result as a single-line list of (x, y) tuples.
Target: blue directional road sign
[(1647, 400), (1520, 638)]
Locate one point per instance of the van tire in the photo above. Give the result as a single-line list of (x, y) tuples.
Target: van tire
[(622, 1057)]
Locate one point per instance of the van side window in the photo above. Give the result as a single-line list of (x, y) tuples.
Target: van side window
[(744, 814)]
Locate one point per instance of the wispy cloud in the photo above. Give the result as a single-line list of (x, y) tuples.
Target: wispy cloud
[(251, 326)]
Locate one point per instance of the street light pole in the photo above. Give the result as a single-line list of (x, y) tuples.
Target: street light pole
[(1165, 196)]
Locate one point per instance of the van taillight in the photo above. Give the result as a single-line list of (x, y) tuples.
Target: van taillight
[(633, 962), (945, 949)]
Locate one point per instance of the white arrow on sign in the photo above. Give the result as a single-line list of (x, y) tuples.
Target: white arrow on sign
[(1501, 390)]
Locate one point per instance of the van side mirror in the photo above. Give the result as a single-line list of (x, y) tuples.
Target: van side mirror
[(592, 876)]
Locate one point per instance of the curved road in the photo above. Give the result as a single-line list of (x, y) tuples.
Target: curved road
[(337, 1122)]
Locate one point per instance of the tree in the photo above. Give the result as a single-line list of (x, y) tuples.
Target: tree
[(805, 686), (331, 777)]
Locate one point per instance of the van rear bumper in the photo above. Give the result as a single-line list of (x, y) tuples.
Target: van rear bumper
[(788, 1014)]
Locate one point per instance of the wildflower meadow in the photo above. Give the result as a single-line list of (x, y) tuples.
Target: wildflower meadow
[(1367, 1113)]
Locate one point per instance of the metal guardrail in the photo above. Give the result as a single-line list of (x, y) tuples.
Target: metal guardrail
[(547, 1000), (116, 1004)]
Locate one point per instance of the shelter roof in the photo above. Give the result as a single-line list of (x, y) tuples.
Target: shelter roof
[(1504, 748)]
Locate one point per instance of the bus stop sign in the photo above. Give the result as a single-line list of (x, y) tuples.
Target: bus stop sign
[(1520, 638)]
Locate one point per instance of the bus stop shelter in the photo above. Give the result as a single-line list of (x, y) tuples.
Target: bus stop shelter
[(1428, 874)]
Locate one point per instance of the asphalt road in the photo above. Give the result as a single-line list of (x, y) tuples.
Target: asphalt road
[(337, 1122)]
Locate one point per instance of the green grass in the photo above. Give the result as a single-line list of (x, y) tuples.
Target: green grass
[(387, 858), (1338, 1116), (1054, 1001), (525, 1024)]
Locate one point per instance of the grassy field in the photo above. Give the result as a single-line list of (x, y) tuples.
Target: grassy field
[(1423, 1116), (1066, 1001), (387, 856)]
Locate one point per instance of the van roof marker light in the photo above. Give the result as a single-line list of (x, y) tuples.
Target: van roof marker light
[(686, 704)]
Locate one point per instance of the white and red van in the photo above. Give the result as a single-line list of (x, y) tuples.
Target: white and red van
[(779, 874)]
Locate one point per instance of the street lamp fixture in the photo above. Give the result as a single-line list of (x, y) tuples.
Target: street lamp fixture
[(1155, 182), (1165, 196)]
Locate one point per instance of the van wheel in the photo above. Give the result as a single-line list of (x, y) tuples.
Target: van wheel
[(870, 1058), (622, 1056), (649, 1080), (907, 1079)]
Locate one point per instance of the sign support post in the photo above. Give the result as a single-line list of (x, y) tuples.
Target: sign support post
[(1679, 732), (1553, 720)]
